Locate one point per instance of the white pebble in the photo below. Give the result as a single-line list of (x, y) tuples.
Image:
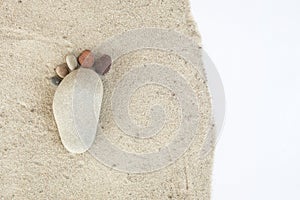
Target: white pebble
[(71, 61), (76, 107)]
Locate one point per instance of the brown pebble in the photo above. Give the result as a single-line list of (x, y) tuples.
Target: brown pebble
[(86, 59), (62, 70), (102, 64)]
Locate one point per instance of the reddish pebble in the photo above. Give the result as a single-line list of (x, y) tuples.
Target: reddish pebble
[(102, 64), (86, 59)]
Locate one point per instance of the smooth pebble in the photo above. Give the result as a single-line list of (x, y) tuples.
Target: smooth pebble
[(71, 62), (76, 107), (62, 70), (55, 80), (102, 64), (86, 59)]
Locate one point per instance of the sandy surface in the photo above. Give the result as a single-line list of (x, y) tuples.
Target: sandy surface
[(35, 36)]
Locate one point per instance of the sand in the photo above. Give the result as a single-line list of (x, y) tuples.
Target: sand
[(35, 36)]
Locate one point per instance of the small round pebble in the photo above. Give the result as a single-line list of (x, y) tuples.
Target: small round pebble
[(71, 62), (55, 80), (62, 70), (102, 64), (86, 59)]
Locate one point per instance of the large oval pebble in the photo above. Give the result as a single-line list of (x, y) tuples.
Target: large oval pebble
[(76, 107)]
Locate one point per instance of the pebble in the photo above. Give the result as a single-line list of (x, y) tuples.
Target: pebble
[(102, 64), (62, 70), (55, 80), (76, 108), (86, 59), (71, 62)]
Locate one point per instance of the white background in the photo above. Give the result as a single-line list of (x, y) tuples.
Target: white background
[(256, 48)]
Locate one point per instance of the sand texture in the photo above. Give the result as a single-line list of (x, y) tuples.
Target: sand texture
[(35, 36)]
